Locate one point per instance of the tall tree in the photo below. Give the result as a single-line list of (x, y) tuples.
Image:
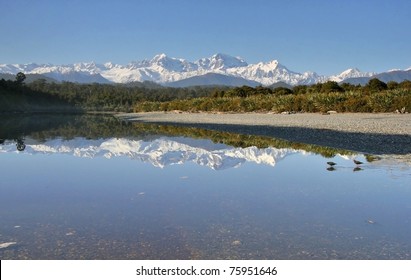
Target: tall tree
[(20, 77), (376, 85)]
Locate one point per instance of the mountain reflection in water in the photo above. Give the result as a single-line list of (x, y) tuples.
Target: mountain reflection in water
[(89, 187), (92, 136), (159, 152)]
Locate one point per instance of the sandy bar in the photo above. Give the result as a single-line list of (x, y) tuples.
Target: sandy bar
[(362, 132)]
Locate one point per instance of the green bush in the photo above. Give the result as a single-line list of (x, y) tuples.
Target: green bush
[(353, 100)]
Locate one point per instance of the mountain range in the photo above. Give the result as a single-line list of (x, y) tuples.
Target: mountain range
[(219, 69)]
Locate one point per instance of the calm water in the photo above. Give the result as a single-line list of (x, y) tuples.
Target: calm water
[(92, 187)]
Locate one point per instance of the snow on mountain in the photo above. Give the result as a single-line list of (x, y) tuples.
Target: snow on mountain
[(350, 73), (159, 152), (164, 69), (273, 72), (221, 62), (213, 79), (165, 63)]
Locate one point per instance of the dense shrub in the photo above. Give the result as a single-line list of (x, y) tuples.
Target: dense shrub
[(348, 101)]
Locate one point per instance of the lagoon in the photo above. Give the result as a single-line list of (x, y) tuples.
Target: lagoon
[(95, 187)]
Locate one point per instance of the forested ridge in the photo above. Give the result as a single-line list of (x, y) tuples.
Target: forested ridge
[(17, 96), (376, 96)]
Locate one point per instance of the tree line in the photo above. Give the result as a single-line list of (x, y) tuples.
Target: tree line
[(15, 96), (375, 96), (88, 97)]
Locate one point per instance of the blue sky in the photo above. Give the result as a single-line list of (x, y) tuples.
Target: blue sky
[(322, 36)]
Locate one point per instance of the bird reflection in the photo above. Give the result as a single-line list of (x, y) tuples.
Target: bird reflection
[(19, 143), (331, 166)]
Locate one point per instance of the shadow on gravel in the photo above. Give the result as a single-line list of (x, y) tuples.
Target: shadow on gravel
[(371, 143)]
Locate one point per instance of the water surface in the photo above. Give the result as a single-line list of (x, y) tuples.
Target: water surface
[(93, 187)]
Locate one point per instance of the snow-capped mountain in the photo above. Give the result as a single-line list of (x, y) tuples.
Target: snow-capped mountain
[(268, 73), (221, 62), (164, 69), (211, 79), (160, 152), (350, 73)]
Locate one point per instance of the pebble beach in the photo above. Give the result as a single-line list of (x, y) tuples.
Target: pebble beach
[(380, 133)]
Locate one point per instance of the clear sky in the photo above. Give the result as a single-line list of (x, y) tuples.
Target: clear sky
[(322, 36)]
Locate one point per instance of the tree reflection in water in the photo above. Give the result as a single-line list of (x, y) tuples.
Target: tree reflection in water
[(19, 143)]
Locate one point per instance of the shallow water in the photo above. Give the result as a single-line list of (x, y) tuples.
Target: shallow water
[(96, 188)]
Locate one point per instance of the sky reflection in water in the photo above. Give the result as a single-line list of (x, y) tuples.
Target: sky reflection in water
[(175, 197)]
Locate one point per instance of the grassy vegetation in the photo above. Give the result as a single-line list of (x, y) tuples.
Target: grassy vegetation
[(388, 100)]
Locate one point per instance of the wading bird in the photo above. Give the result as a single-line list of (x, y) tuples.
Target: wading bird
[(357, 162)]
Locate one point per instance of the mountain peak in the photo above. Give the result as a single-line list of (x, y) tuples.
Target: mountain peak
[(159, 57), (350, 73), (86, 67), (109, 65), (220, 61), (351, 70), (224, 56), (162, 62), (274, 63)]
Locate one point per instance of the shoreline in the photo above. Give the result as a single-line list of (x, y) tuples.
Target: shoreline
[(380, 123), (372, 133)]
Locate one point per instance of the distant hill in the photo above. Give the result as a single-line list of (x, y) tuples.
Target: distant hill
[(281, 84), (397, 76), (357, 81), (78, 77), (29, 78), (213, 79)]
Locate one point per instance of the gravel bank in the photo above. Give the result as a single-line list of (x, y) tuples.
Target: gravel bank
[(362, 132)]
